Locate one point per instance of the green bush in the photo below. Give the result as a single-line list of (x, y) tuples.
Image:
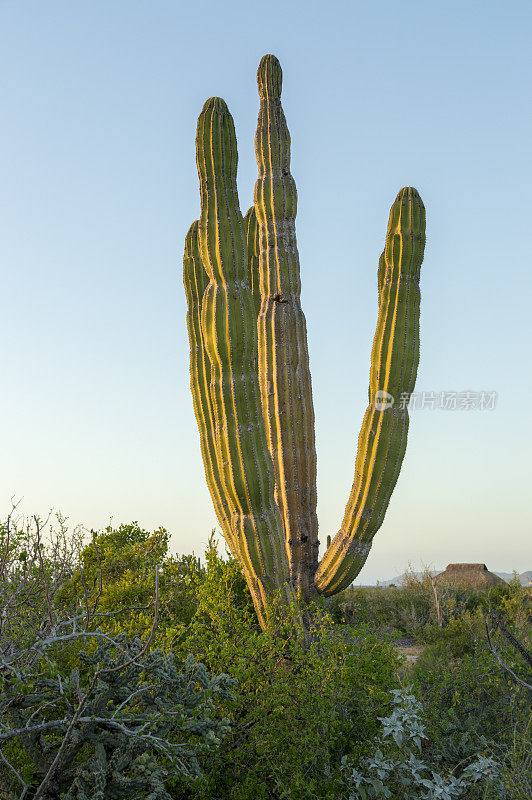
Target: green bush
[(516, 769), (298, 709), (87, 710), (411, 607), (116, 571), (398, 767), (407, 608), (470, 701), (114, 727)]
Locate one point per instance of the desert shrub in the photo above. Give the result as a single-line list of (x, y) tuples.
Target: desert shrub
[(456, 638), (37, 558), (298, 708), (88, 712), (516, 765), (514, 602), (470, 701), (407, 608), (398, 768), (410, 608), (116, 570), (113, 727)]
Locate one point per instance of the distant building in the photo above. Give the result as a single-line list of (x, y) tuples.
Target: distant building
[(468, 576)]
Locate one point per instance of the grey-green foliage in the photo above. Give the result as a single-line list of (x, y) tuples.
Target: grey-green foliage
[(115, 725), (395, 771)]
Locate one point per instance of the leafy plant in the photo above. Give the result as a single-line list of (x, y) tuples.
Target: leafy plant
[(470, 702), (395, 770), (516, 763), (298, 706), (116, 570)]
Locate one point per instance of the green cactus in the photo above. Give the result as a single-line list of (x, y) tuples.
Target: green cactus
[(250, 375), (244, 476), (394, 361), (195, 280), (283, 365)]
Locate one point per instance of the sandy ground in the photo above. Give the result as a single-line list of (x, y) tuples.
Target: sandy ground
[(410, 652)]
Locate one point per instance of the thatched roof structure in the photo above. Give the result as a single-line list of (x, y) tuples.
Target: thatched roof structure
[(468, 576)]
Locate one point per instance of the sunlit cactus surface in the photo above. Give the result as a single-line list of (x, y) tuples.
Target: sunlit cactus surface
[(249, 364)]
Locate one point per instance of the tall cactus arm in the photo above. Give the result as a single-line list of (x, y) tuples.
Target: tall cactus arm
[(394, 361), (229, 332), (252, 237), (195, 280), (284, 374)]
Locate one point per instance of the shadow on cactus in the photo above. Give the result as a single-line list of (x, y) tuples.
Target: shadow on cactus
[(249, 364)]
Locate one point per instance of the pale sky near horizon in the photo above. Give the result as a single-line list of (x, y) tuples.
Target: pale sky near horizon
[(99, 186)]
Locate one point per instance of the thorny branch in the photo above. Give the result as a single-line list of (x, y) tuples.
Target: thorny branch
[(514, 642), (26, 584)]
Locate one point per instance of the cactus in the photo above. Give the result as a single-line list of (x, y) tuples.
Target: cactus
[(244, 475), (283, 365), (250, 375), (394, 361)]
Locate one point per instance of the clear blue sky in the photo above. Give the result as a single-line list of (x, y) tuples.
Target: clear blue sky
[(98, 187)]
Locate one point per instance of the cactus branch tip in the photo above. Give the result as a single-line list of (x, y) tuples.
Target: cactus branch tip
[(270, 77), (215, 105)]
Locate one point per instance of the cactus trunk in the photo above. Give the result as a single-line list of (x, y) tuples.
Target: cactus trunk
[(284, 374), (249, 364)]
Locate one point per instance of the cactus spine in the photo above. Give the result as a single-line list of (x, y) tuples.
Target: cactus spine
[(250, 373)]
